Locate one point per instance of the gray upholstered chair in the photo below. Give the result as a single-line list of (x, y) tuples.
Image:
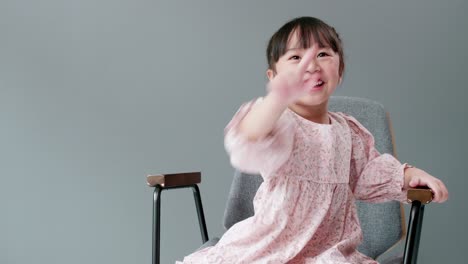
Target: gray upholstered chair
[(383, 224)]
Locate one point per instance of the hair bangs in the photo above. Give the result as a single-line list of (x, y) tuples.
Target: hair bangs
[(311, 34)]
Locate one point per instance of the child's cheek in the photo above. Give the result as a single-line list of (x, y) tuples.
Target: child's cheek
[(336, 65)]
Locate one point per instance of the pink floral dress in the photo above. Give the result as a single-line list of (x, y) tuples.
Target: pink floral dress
[(305, 209)]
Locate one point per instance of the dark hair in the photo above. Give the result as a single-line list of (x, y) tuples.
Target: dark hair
[(310, 30)]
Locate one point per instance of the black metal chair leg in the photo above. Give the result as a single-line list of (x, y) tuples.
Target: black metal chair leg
[(157, 217), (201, 215), (418, 233), (156, 224), (414, 233)]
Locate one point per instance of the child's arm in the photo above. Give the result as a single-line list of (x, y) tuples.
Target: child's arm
[(285, 88), (416, 177), (377, 177), (259, 156), (261, 119)]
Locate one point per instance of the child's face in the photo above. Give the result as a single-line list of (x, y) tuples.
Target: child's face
[(323, 67)]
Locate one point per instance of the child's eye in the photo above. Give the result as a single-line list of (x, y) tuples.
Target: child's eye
[(295, 57), (322, 54)]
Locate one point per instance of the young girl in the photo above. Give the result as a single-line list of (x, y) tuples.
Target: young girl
[(314, 163)]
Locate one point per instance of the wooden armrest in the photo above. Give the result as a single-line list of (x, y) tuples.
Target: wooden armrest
[(174, 180), (422, 194)]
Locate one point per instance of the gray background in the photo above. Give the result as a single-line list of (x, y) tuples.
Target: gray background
[(94, 95)]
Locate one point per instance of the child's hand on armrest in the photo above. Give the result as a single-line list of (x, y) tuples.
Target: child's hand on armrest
[(415, 177)]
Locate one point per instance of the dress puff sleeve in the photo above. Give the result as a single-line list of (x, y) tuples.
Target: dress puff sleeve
[(374, 177), (264, 155)]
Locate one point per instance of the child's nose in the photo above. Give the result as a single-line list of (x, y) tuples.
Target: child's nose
[(313, 66)]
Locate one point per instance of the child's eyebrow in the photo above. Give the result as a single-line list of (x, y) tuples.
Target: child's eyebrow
[(296, 49)]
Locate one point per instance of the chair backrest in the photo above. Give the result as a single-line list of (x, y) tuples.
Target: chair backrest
[(382, 224)]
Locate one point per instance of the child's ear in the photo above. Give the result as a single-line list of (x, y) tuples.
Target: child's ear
[(341, 79), (270, 74)]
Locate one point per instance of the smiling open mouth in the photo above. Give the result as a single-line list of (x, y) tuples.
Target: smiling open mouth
[(318, 85)]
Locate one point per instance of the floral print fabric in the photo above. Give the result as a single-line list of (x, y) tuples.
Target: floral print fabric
[(305, 209)]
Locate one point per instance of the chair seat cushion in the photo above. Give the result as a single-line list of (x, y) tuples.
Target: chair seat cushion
[(393, 260), (209, 243)]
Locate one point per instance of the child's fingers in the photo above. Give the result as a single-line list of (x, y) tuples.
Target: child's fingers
[(438, 188), (445, 192), (440, 192), (307, 59), (415, 182)]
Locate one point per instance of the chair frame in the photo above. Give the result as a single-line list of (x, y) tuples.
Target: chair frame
[(168, 182), (418, 197)]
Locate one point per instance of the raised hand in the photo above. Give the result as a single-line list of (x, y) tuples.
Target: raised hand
[(293, 83)]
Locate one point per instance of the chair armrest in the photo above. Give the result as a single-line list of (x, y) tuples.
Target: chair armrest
[(421, 194), (174, 180)]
